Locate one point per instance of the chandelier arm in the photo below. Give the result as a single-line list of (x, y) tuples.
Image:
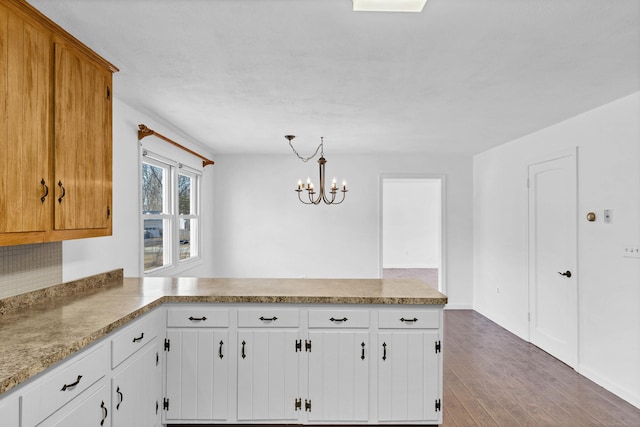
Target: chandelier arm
[(300, 198), (344, 193)]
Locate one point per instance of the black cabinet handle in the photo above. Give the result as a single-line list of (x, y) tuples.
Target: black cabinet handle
[(63, 192), (197, 319), (344, 319), (384, 351), (566, 273), (67, 386), (220, 355), (120, 398), (362, 357), (104, 412), (46, 190), (243, 354), (139, 338), (268, 319), (402, 319)]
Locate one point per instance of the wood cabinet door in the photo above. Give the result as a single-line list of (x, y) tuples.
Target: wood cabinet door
[(268, 375), (408, 376), (339, 376), (25, 126), (82, 142), (197, 374)]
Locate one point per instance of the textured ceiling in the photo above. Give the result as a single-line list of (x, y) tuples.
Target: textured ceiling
[(461, 77)]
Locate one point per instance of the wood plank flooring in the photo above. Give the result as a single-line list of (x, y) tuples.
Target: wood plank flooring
[(493, 378)]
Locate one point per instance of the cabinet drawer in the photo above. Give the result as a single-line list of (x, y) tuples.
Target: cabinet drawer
[(64, 384), (408, 319), (338, 318), (133, 337), (197, 317), (268, 318)]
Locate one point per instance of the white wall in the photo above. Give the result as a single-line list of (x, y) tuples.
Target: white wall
[(262, 230), (608, 141), (411, 223), (86, 257)]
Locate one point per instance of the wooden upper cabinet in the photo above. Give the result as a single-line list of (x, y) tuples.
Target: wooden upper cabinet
[(82, 141), (25, 125), (55, 132)]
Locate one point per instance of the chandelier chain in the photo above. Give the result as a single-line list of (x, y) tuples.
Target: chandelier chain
[(306, 159)]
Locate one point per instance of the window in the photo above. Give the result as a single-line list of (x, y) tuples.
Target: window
[(170, 214)]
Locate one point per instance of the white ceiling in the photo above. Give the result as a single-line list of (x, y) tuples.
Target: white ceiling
[(460, 77)]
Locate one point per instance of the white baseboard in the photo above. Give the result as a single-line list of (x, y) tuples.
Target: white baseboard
[(599, 379), (458, 307), (410, 266)]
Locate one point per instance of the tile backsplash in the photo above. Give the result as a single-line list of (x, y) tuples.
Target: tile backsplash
[(28, 268)]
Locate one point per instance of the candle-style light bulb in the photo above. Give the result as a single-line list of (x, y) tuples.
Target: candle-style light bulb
[(308, 183), (333, 184), (299, 184)]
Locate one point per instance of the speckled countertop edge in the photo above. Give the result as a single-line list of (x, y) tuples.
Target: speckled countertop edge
[(44, 327)]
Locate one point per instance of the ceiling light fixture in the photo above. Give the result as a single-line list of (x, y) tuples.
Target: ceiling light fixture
[(388, 5), (322, 196)]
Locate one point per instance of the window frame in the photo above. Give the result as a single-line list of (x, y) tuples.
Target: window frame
[(172, 264)]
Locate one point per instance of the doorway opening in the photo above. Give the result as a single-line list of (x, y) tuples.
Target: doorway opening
[(412, 219)]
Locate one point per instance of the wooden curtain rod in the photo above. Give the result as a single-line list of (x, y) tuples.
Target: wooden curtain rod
[(144, 131)]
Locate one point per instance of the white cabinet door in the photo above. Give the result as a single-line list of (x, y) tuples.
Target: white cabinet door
[(136, 388), (89, 409), (408, 376), (268, 375), (197, 374), (10, 409), (339, 376)]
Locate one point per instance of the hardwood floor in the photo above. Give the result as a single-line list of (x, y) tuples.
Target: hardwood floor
[(493, 378)]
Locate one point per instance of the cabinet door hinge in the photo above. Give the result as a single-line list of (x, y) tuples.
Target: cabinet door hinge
[(157, 407), (108, 212), (157, 358), (297, 404), (438, 405), (307, 345), (307, 405), (108, 93), (438, 346), (165, 404), (298, 345), (167, 344)]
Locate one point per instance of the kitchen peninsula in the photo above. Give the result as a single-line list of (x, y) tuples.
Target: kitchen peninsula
[(323, 350)]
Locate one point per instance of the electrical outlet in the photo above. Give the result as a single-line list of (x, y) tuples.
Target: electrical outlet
[(631, 251)]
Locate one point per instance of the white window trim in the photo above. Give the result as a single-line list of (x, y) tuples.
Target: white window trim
[(172, 246)]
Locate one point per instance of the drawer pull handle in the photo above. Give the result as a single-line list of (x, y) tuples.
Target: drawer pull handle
[(384, 351), (64, 192), (139, 338), (344, 319), (408, 320), (105, 413), (243, 354), (268, 319), (120, 398), (197, 319), (46, 190), (362, 357), (220, 355), (66, 386)]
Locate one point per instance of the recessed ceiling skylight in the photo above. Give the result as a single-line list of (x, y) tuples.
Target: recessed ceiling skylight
[(388, 5)]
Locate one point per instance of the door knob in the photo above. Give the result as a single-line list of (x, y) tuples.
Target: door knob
[(566, 273)]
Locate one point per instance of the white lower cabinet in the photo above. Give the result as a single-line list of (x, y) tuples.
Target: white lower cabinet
[(136, 389), (339, 376), (10, 409), (409, 362), (90, 409), (197, 371)]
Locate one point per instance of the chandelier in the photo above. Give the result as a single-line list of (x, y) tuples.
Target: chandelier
[(313, 196)]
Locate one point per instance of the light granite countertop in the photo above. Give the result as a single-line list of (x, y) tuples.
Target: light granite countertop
[(42, 328)]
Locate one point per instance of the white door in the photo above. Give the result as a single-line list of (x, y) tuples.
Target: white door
[(339, 376), (197, 374), (553, 301), (408, 376), (268, 375)]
